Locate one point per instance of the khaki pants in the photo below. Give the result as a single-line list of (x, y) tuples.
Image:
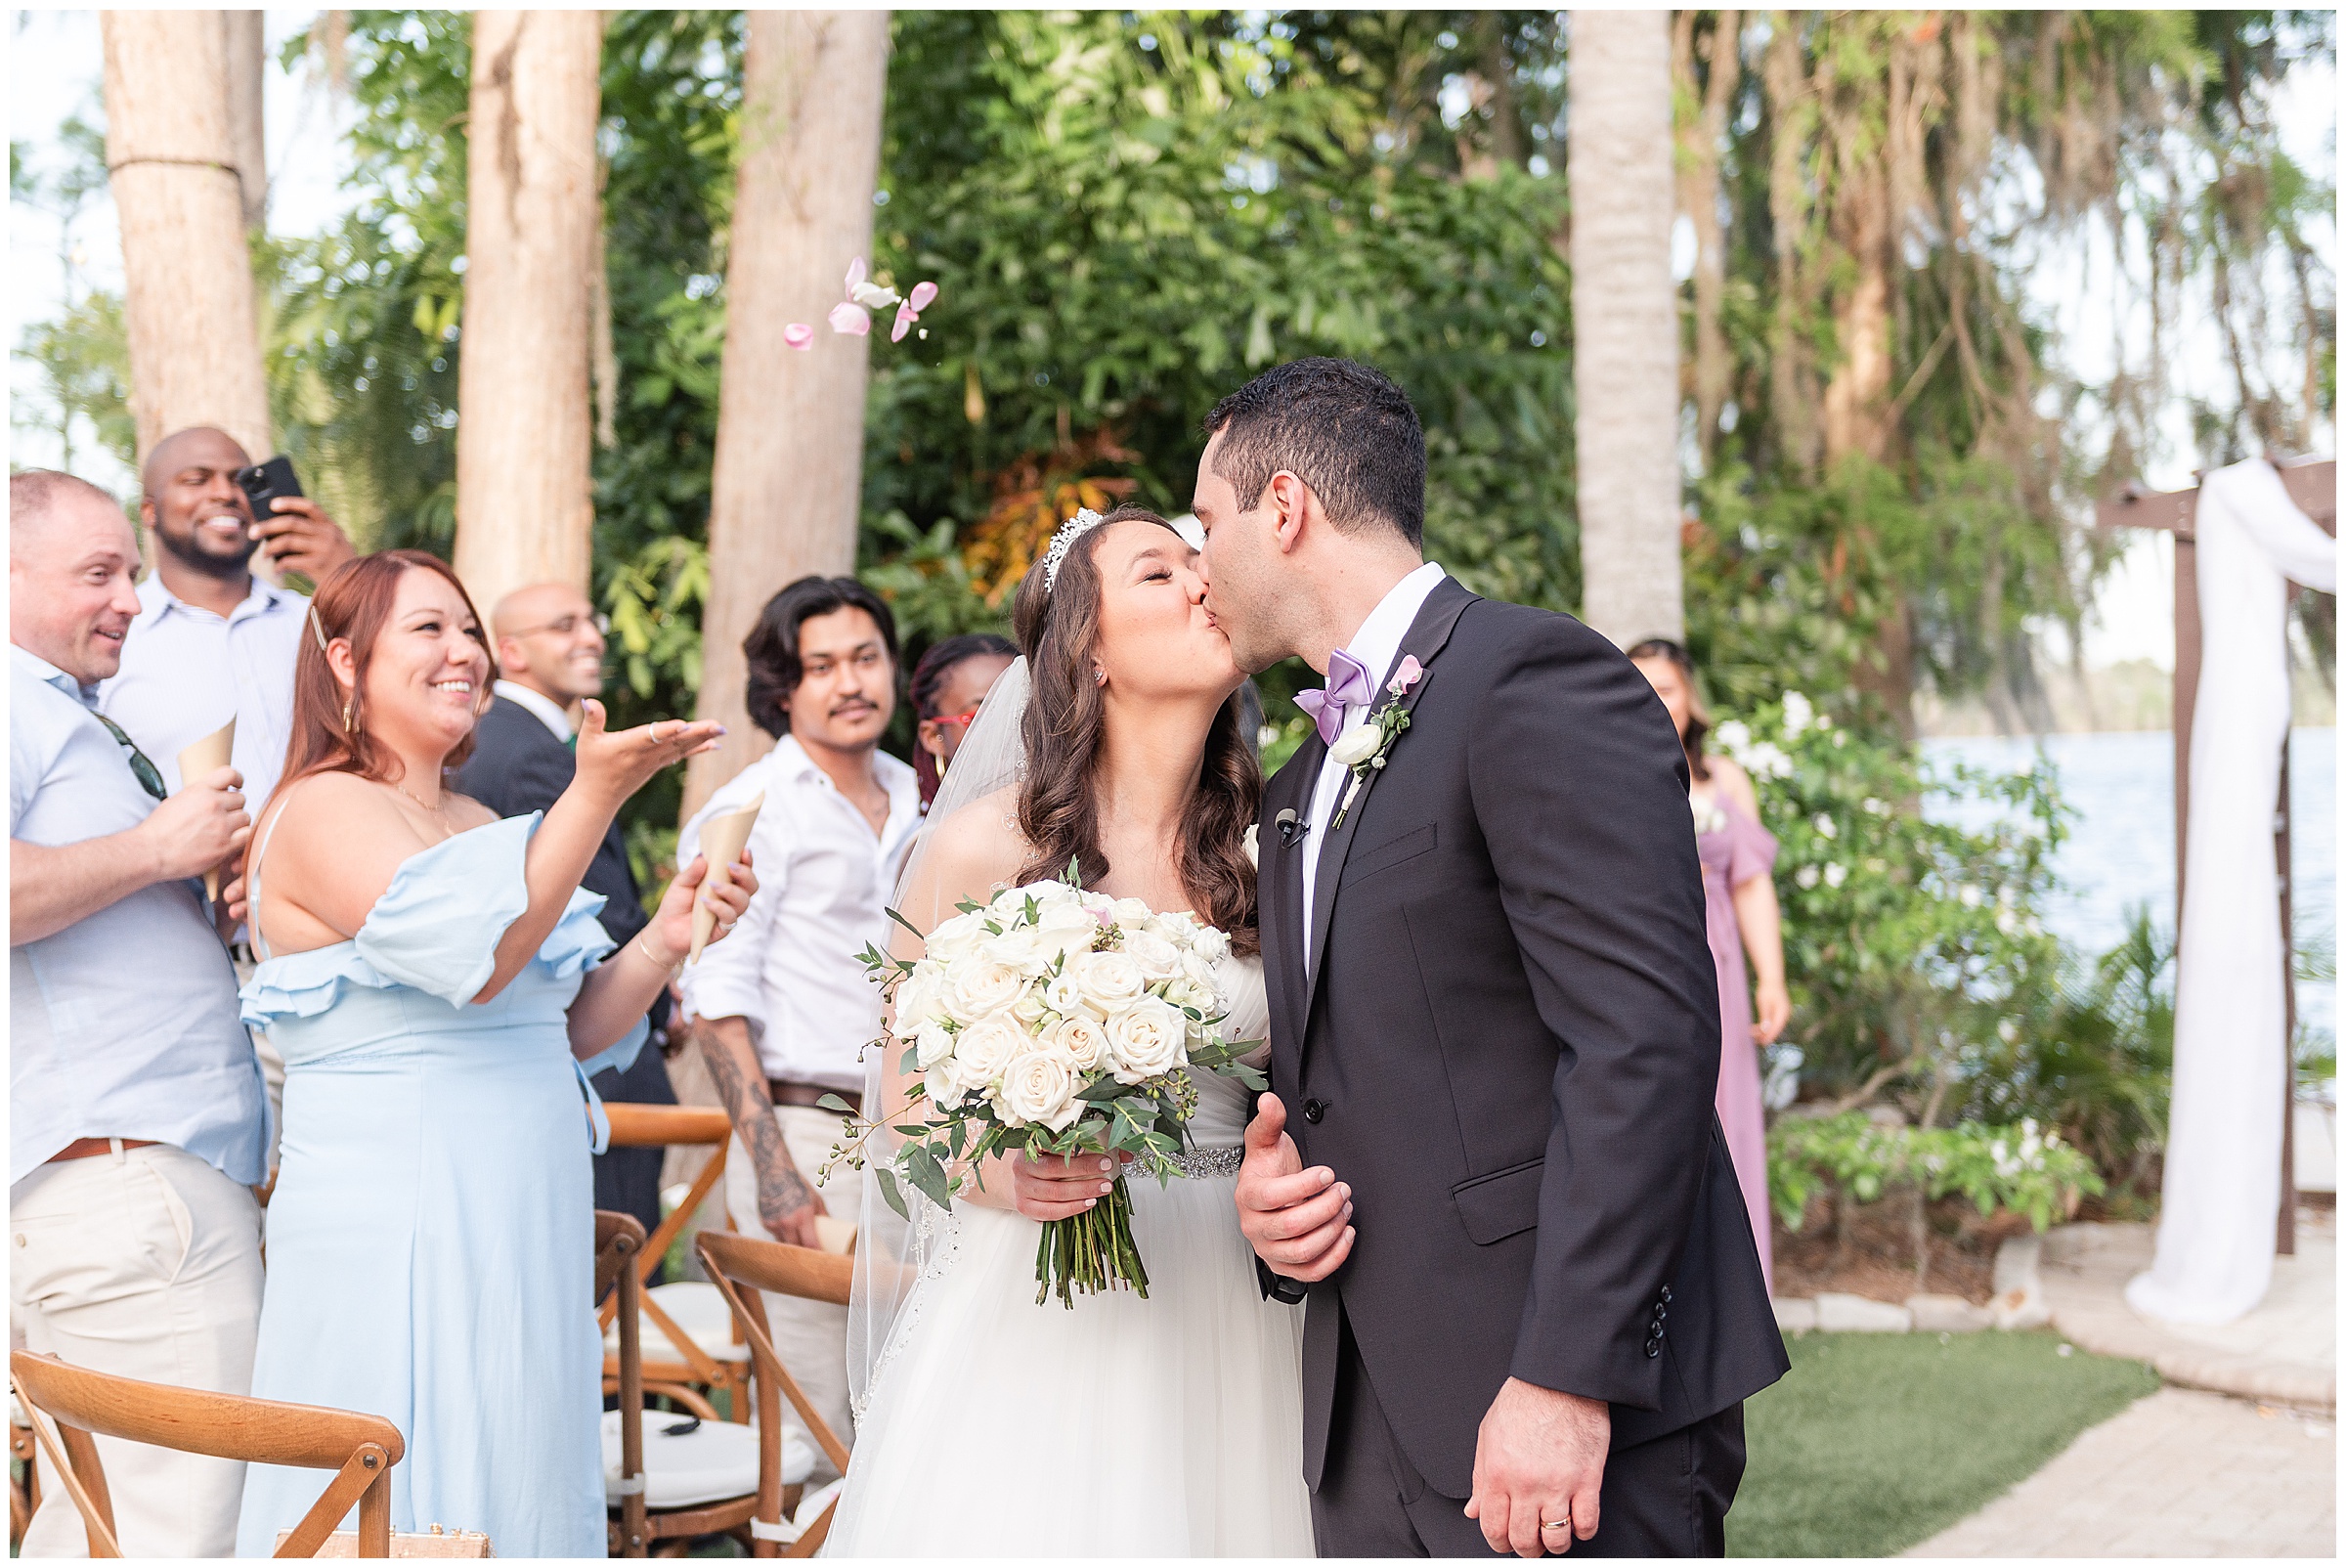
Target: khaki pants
[(146, 1264), (810, 1336)]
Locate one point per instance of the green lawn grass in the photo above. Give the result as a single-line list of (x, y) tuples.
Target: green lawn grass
[(1875, 1442)]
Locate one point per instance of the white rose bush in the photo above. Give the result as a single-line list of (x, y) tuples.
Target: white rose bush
[(1056, 1021)]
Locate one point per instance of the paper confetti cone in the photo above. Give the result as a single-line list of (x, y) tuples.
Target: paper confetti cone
[(208, 756), (722, 841)]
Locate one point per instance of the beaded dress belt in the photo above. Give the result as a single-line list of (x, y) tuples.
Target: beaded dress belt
[(1201, 1163)]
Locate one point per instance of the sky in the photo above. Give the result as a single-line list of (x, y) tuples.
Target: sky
[(53, 71)]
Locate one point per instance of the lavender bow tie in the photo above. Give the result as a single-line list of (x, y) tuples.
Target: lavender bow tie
[(1348, 687)]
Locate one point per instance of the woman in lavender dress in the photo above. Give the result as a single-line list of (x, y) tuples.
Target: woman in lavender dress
[(1742, 914)]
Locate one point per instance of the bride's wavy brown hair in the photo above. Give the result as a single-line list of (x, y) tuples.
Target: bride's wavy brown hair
[(1058, 628)]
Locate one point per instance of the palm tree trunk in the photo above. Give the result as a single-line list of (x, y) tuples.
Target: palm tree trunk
[(788, 483), (524, 500), (247, 67), (1625, 323), (187, 269)]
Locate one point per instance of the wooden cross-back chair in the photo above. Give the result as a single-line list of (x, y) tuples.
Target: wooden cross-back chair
[(694, 1346), (737, 1261), (617, 1244), (359, 1450), (698, 1478)]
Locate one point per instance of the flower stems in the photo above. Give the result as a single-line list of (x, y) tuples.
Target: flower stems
[(1091, 1251)]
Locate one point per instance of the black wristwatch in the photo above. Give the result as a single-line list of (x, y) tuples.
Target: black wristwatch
[(1279, 1288)]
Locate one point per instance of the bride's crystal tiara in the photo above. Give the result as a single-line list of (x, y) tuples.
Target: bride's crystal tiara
[(1073, 529)]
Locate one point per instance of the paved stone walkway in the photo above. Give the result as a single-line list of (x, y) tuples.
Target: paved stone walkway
[(2285, 1352), (2179, 1474)]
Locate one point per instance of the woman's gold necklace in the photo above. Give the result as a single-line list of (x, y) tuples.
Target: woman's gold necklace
[(440, 810)]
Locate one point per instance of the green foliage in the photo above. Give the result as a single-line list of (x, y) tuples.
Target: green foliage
[(1908, 939), (84, 358), (2022, 1169), (2092, 1054)]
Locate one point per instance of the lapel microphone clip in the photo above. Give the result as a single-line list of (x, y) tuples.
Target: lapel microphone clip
[(1292, 828)]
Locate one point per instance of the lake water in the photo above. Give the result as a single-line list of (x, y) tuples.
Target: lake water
[(2122, 846)]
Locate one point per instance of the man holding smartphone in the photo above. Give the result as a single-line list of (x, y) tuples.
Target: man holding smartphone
[(212, 640)]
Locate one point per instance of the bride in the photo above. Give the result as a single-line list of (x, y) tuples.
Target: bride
[(1165, 1427)]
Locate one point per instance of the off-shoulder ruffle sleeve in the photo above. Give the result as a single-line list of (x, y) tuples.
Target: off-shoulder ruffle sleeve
[(435, 929), (1751, 848)]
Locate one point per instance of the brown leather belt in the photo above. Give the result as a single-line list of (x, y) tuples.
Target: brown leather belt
[(84, 1148), (785, 1093)]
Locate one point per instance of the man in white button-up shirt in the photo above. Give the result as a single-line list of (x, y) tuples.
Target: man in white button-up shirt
[(136, 1122), (213, 641), (785, 1007)]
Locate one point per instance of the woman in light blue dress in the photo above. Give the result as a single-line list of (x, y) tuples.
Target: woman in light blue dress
[(441, 991)]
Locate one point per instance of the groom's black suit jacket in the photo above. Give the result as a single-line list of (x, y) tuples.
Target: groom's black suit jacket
[(1508, 1044)]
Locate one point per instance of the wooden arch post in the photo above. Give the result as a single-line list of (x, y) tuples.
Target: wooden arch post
[(2313, 488)]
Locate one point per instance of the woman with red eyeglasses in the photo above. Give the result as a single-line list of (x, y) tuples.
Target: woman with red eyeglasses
[(948, 683)]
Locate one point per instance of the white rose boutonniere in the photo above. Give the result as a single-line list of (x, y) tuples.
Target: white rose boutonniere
[(1356, 746), (1364, 750)]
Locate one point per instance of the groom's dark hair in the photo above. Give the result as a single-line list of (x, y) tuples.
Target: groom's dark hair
[(1342, 428)]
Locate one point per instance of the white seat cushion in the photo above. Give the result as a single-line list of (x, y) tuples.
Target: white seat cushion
[(693, 1465), (699, 1310)]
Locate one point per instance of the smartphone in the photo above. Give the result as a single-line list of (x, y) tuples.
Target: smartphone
[(264, 482)]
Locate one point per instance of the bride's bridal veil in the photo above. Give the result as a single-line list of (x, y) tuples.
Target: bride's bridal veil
[(890, 1251)]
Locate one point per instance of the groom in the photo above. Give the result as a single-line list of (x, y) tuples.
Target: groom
[(1488, 1162)]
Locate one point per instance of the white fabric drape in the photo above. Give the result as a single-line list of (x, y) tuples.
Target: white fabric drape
[(2222, 1191)]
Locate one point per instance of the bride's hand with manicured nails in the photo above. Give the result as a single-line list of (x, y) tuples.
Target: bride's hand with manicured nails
[(617, 764), (669, 934), (1059, 1187)]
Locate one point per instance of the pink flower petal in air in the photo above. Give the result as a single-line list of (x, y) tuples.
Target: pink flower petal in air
[(855, 275), (922, 295), (850, 319), (905, 316), (799, 335)]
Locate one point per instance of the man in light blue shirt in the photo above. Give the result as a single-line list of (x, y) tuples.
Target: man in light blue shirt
[(137, 1124)]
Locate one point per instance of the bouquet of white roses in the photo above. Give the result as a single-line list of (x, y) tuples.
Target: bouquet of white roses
[(1058, 1021)]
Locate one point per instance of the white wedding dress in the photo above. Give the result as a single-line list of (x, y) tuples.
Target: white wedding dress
[(1165, 1427)]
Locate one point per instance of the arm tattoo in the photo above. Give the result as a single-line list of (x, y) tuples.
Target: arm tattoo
[(781, 1189)]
